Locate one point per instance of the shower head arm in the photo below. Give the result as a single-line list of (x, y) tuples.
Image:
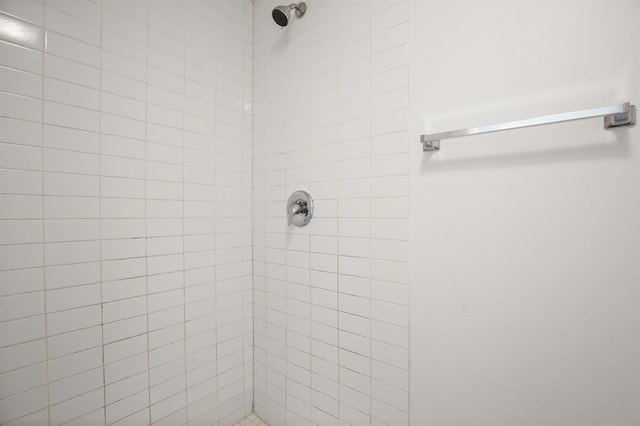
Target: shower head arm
[(300, 8)]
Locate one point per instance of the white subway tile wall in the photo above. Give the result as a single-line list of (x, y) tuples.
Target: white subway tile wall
[(331, 115), (125, 211)]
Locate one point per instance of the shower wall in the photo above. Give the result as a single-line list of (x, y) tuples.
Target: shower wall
[(331, 299), (125, 229)]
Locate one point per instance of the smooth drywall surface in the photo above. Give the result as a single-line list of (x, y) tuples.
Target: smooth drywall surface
[(525, 290), (331, 299), (125, 259)]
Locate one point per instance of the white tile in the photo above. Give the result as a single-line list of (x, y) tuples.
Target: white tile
[(123, 289), (134, 408), (160, 58), (137, 12), (390, 292), (389, 414), (20, 132), (70, 185), (70, 71), (122, 208), (70, 162), (390, 122), (21, 281), (122, 309), (20, 82), (125, 268), (124, 106), (72, 252), (71, 230), (71, 207), (73, 297), (86, 10), (126, 407), (72, 49), (29, 10), (20, 58), (22, 330), (74, 319), (64, 389), (20, 107), (390, 37), (96, 417), (390, 17), (388, 165), (38, 417), (355, 399), (17, 381), (22, 355), (21, 306), (354, 324), (70, 116), (75, 363), (65, 138), (395, 78), (122, 249), (392, 355), (122, 147), (20, 182), (72, 275), (160, 78), (70, 94), (122, 126), (126, 377), (78, 406), (20, 256), (390, 250), (123, 23), (353, 416), (20, 232), (125, 348), (123, 76), (20, 157), (22, 404), (72, 26), (390, 101), (123, 329)]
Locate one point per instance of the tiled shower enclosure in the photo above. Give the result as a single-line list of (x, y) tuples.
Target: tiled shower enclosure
[(125, 212), (148, 274)]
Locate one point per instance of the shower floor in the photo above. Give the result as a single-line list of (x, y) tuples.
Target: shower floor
[(251, 420)]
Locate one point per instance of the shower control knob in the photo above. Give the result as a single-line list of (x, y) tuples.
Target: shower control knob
[(300, 208)]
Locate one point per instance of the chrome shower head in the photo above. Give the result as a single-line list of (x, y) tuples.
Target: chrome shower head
[(282, 14)]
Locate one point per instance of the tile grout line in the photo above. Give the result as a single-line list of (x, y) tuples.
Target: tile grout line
[(215, 210), (251, 157), (146, 207), (44, 252), (409, 219), (370, 233), (184, 284), (104, 379)]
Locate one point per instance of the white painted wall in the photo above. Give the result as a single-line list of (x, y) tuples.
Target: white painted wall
[(525, 290), (125, 272)]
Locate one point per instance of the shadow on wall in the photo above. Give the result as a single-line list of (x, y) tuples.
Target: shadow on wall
[(613, 145)]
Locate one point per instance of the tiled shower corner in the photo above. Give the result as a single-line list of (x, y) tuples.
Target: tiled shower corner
[(251, 420)]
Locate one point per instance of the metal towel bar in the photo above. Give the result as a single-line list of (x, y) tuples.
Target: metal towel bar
[(614, 116)]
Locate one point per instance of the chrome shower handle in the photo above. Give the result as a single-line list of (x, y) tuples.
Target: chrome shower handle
[(300, 208)]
